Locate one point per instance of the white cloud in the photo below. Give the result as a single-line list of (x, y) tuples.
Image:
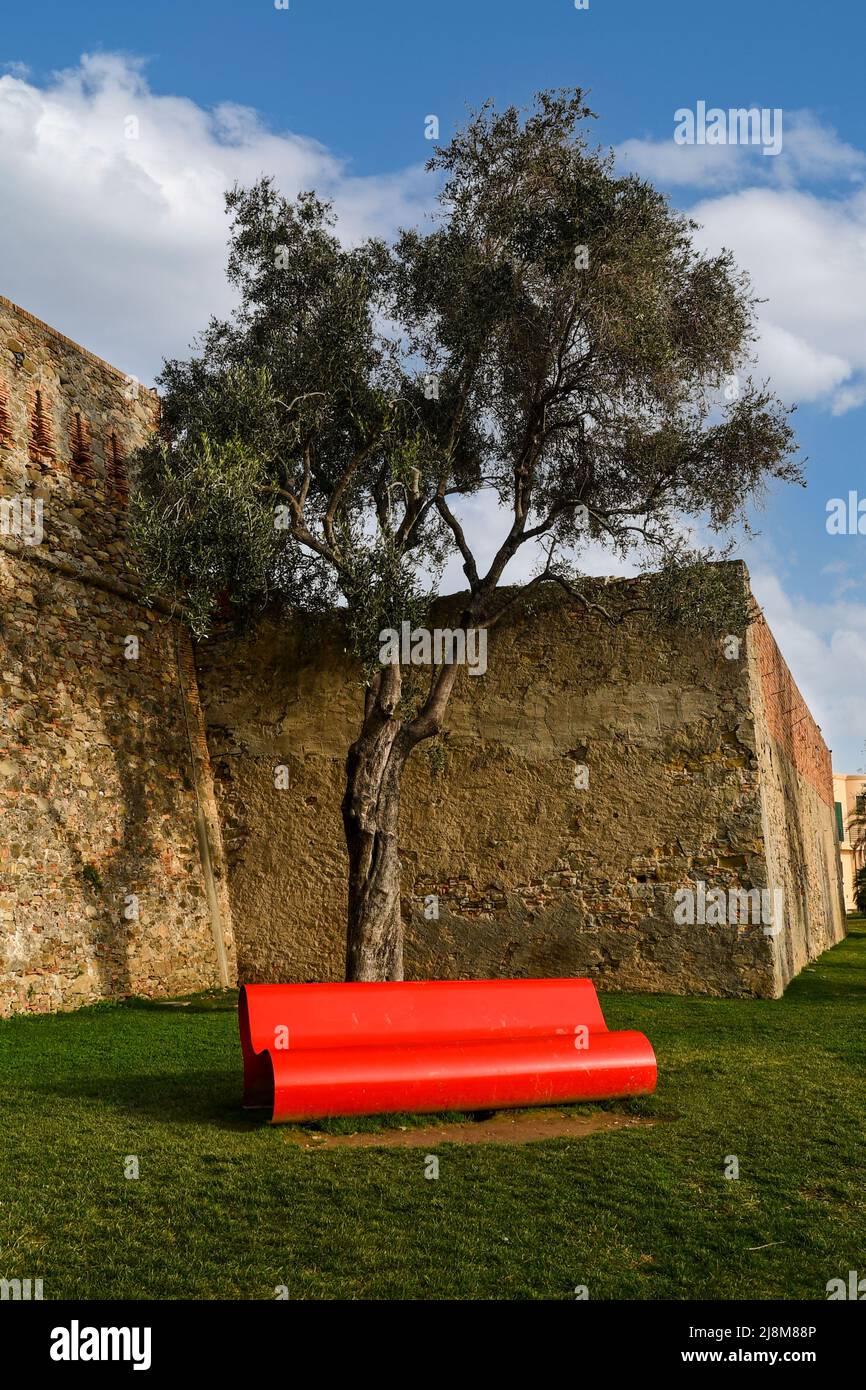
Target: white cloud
[(807, 259), (806, 253), (120, 242), (811, 151)]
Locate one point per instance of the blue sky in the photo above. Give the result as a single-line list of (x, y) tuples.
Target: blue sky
[(354, 75), (119, 242)]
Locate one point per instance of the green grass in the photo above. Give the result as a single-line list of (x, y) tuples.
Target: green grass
[(226, 1208)]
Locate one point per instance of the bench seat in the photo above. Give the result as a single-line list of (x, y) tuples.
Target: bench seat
[(318, 1050)]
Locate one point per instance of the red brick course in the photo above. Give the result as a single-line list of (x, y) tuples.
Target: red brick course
[(788, 716)]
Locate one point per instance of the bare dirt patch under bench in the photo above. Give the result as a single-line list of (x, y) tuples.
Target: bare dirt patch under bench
[(521, 1127)]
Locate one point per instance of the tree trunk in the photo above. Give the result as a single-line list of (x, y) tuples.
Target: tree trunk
[(371, 817), (371, 820)]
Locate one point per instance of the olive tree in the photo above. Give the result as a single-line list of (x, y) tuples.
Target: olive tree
[(553, 342)]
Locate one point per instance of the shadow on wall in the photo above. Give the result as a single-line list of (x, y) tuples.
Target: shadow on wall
[(99, 795)]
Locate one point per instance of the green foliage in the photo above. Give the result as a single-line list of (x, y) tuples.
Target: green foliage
[(553, 341), (860, 889), (92, 876), (382, 592), (436, 759), (700, 597), (205, 528)]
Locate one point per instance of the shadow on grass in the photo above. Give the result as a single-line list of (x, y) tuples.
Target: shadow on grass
[(634, 1106), (193, 1098), (219, 1001), (210, 1096)]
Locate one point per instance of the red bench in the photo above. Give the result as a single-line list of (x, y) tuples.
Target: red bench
[(365, 1049)]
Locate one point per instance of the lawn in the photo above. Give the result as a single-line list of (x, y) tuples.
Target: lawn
[(226, 1208)]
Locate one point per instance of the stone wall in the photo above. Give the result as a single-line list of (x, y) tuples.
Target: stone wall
[(110, 855), (68, 424), (115, 807), (797, 808), (530, 874)]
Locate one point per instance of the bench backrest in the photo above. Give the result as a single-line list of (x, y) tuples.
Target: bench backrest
[(340, 1015)]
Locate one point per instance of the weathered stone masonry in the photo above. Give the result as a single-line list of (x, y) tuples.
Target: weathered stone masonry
[(797, 814), (121, 780), (111, 878), (701, 769)]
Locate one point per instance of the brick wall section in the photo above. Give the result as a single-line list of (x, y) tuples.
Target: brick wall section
[(788, 716)]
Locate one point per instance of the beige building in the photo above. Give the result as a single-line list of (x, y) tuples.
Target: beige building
[(849, 791)]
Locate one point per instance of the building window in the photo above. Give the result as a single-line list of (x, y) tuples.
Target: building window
[(116, 478), (840, 824), (5, 423), (81, 448), (41, 442)]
